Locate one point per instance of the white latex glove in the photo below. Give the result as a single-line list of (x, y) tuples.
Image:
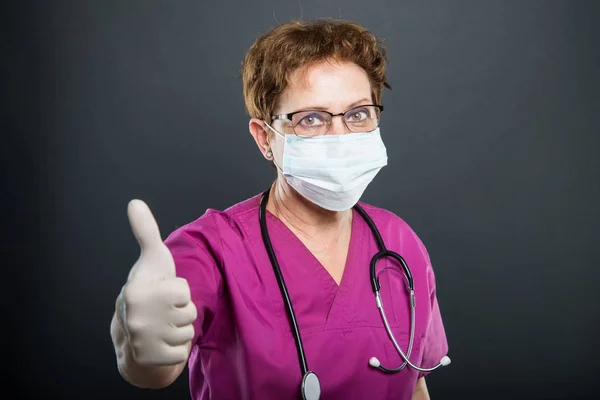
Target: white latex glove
[(155, 306)]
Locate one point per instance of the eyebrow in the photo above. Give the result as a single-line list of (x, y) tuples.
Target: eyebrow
[(351, 106)]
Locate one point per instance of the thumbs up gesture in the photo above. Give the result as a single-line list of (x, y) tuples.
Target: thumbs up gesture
[(155, 307)]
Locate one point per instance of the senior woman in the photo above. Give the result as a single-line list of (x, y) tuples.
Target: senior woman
[(280, 296)]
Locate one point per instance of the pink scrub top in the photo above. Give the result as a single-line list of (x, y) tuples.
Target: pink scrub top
[(244, 347)]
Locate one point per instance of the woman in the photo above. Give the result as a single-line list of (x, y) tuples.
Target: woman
[(210, 295)]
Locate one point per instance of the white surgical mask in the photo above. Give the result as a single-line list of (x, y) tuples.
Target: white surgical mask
[(332, 171)]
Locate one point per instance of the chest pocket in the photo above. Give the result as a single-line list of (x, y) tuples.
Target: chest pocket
[(395, 294), (393, 357)]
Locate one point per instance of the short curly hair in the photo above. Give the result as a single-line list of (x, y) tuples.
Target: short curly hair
[(272, 58)]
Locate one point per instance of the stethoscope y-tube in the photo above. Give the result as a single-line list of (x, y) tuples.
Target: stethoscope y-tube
[(311, 387)]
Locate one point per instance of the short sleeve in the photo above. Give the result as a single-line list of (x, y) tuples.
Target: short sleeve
[(196, 253), (434, 343)]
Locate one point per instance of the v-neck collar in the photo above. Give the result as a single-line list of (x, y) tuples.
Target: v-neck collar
[(335, 294), (273, 219)]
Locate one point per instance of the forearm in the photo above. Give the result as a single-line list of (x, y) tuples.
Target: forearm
[(421, 392), (132, 372)]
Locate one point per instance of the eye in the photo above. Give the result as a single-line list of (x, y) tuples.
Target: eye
[(311, 120), (357, 115)]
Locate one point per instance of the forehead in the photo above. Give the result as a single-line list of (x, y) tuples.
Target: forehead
[(330, 85)]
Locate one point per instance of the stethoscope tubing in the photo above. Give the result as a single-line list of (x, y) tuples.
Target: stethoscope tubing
[(282, 286), (383, 252)]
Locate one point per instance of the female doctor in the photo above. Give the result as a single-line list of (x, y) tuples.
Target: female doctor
[(301, 291)]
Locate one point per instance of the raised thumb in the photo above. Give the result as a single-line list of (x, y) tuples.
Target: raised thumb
[(144, 226)]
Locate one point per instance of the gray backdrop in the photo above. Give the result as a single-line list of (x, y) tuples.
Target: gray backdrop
[(491, 128)]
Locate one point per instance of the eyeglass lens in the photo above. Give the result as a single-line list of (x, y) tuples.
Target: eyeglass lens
[(315, 123)]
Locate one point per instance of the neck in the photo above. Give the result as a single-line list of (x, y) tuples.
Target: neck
[(303, 217)]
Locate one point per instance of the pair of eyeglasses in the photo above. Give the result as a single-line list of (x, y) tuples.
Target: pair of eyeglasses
[(310, 123)]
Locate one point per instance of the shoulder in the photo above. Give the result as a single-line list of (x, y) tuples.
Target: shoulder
[(214, 226), (384, 216), (393, 227)]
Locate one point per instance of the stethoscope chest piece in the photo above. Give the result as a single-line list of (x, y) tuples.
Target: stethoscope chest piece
[(311, 387)]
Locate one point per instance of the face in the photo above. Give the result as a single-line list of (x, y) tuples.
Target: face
[(332, 86)]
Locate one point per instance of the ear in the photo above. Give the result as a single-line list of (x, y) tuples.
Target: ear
[(259, 132)]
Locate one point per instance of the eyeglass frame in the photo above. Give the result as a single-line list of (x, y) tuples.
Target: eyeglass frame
[(289, 116)]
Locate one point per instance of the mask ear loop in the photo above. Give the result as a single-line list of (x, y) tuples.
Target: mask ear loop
[(269, 153)]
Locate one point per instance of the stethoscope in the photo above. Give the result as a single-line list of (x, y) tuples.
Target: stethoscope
[(311, 387)]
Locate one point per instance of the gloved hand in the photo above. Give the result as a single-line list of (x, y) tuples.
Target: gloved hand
[(155, 307)]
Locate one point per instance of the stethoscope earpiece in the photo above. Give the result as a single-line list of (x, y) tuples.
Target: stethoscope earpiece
[(374, 362)]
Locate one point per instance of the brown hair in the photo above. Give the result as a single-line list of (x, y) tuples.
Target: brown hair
[(287, 47)]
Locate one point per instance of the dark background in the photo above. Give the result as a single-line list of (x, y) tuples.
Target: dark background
[(491, 127)]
